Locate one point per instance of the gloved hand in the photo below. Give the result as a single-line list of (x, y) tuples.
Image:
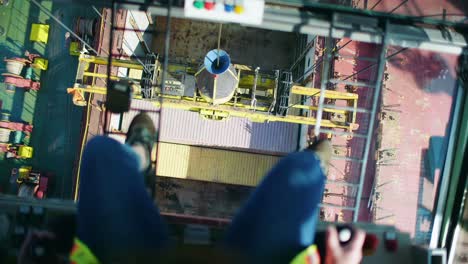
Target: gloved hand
[(351, 253)]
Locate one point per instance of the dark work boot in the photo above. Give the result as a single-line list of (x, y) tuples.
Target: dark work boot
[(142, 132)]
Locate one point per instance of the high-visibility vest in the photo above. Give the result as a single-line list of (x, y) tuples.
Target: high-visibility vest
[(309, 255), (81, 254)]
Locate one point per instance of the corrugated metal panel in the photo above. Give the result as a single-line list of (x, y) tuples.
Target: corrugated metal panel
[(213, 165), (136, 107), (189, 128), (178, 126)]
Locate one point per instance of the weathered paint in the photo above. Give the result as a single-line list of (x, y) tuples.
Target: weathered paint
[(212, 165), (199, 198), (131, 42)]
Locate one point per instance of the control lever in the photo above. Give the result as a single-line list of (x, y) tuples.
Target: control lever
[(345, 235)]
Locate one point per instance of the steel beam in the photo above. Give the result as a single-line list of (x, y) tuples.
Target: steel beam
[(342, 183), (323, 84), (353, 159), (343, 133), (114, 62), (314, 18), (370, 131), (301, 90), (329, 110), (399, 32), (345, 108), (325, 205)]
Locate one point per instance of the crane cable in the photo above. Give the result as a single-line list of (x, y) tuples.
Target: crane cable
[(219, 41)]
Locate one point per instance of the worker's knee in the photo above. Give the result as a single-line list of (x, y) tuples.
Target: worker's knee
[(108, 151), (302, 169), (102, 144)]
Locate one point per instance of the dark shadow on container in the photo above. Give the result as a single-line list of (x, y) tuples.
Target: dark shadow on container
[(275, 138), (428, 70), (198, 198)]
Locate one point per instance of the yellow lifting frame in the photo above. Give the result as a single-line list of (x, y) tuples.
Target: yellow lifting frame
[(115, 62), (188, 104), (102, 90), (239, 112), (87, 59), (315, 108), (259, 114), (103, 75), (328, 93)]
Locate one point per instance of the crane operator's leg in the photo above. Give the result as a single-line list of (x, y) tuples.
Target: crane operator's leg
[(279, 219), (116, 216)]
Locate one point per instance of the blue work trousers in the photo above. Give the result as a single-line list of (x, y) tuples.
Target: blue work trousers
[(116, 213)]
